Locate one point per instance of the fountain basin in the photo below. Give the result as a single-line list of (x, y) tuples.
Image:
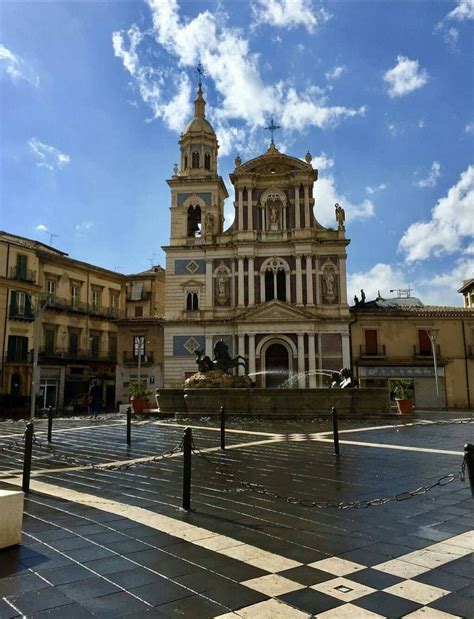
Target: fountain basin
[(282, 403)]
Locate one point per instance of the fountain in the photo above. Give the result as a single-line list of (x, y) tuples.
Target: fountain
[(214, 385)]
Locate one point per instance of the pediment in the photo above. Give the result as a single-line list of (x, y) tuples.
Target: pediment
[(273, 163), (275, 311)]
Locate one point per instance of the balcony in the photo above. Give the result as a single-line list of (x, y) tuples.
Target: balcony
[(79, 307), (424, 353), (373, 353), (61, 354), (144, 296), (20, 313), (22, 275), (131, 359), (17, 356)]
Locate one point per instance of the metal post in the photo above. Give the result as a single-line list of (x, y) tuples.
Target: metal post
[(222, 417), (469, 455), (129, 426), (187, 447), (50, 423), (27, 457), (34, 369), (433, 335), (335, 430), (139, 369)]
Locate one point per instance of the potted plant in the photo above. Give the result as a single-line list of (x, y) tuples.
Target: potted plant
[(404, 395), (139, 396)]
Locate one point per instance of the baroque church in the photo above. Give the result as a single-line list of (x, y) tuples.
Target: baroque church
[(272, 286)]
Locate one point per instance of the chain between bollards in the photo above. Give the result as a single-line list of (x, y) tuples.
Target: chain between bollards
[(50, 423), (27, 457), (222, 418), (469, 460), (187, 451), (129, 426), (335, 430)]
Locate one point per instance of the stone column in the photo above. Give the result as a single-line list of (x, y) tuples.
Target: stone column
[(306, 207), (241, 209), (301, 377), (346, 351), (297, 208), (251, 279), (241, 352), (342, 281), (209, 303), (321, 360), (311, 361), (250, 209), (208, 349), (309, 281), (299, 283), (240, 279), (252, 355)]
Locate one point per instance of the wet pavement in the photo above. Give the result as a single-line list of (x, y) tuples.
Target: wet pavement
[(105, 542)]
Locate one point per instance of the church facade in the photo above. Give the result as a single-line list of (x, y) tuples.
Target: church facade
[(272, 286)]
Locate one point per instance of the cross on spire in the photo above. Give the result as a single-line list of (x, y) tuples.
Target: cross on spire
[(272, 128), (200, 71)]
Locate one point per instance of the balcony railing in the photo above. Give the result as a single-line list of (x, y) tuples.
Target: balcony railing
[(18, 313), (80, 307), (17, 357), (61, 354), (131, 359), (378, 351), (144, 296), (22, 275), (425, 352)]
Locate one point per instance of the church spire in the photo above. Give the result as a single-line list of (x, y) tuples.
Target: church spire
[(199, 103)]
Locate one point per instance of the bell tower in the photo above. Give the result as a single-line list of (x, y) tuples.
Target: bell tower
[(197, 191)]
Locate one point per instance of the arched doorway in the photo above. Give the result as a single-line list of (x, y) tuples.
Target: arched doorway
[(277, 365)]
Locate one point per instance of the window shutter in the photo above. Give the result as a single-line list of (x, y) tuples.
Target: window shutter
[(13, 303), (24, 348), (28, 307)]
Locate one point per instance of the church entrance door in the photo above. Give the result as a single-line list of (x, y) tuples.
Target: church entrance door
[(277, 366)]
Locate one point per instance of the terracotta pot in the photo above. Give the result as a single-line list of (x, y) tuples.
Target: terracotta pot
[(139, 405), (405, 407)]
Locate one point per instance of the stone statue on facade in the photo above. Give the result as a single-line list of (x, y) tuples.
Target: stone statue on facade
[(222, 288), (340, 216)]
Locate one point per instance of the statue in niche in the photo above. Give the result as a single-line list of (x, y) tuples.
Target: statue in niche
[(222, 288), (274, 215), (340, 216), (329, 281)]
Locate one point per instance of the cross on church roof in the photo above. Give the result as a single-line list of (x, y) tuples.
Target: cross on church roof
[(272, 128), (200, 71)]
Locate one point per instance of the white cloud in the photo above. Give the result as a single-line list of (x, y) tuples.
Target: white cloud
[(83, 227), (469, 128), (405, 77), (431, 179), (380, 278), (371, 190), (421, 124), (463, 11), (335, 73), (41, 228), (289, 14), (322, 161), (16, 68), (231, 67), (442, 289), (48, 156), (327, 195), (452, 220)]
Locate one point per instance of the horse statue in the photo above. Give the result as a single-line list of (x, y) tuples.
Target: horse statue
[(223, 361), (204, 363), (347, 381)]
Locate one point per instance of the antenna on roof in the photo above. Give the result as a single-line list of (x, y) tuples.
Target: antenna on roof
[(51, 237), (402, 293)]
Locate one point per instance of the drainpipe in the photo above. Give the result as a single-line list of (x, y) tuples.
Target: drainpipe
[(5, 342), (466, 369)]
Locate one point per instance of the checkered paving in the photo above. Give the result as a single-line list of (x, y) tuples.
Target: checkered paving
[(335, 587)]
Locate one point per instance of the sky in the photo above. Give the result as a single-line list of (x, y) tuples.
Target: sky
[(94, 96)]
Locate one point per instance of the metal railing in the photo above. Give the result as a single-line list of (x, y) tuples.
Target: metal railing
[(80, 307), (144, 296), (23, 275), (20, 313), (369, 351), (425, 352), (77, 355), (131, 359)]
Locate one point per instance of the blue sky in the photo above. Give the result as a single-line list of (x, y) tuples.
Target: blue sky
[(94, 96)]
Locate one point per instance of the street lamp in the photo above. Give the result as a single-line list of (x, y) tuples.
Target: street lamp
[(433, 335), (39, 309)]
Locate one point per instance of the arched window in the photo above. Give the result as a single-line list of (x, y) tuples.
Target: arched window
[(192, 301), (185, 162), (195, 159), (207, 161), (281, 285), (194, 221), (275, 280)]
